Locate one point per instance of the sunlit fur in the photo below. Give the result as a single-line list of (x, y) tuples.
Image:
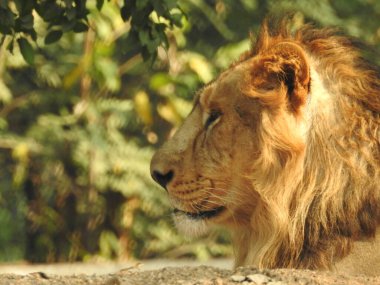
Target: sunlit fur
[(326, 193), (295, 158)]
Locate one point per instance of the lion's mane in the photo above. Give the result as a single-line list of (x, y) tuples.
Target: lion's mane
[(319, 202)]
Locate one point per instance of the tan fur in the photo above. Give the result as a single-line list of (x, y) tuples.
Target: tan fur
[(294, 158)]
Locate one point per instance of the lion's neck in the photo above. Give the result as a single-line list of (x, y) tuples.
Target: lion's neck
[(314, 222)]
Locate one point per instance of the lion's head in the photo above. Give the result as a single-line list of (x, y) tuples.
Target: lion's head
[(209, 165), (270, 151)]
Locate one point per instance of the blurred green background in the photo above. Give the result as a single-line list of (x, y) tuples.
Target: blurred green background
[(88, 91)]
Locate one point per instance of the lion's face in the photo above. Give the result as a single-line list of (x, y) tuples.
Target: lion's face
[(207, 167), (203, 166)]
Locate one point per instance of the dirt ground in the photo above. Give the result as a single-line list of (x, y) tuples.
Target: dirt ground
[(181, 274)]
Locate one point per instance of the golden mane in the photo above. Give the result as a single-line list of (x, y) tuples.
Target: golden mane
[(332, 197)]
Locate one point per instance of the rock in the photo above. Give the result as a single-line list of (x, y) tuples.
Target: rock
[(276, 283), (218, 281), (238, 278), (259, 279), (113, 281)]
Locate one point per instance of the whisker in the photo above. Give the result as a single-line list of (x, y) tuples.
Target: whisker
[(229, 199)]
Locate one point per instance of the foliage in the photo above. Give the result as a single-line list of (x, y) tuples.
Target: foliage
[(79, 123), (17, 19)]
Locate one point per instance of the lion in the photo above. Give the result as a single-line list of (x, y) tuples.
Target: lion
[(283, 150)]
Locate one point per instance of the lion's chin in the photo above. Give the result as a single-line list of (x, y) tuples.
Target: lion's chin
[(190, 227)]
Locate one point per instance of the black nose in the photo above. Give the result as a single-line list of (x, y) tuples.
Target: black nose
[(162, 179)]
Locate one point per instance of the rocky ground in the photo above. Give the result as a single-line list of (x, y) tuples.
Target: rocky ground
[(190, 275)]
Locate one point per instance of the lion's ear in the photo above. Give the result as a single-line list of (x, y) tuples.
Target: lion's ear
[(284, 66)]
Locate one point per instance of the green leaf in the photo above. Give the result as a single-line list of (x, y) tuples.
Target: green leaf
[(152, 45), (18, 4), (33, 34), (7, 21), (176, 19), (71, 14), (24, 7), (99, 4), (171, 3), (80, 27), (68, 26), (27, 50), (10, 45), (144, 37), (159, 80), (53, 36), (140, 4), (131, 45), (159, 8), (159, 34), (50, 11), (27, 21)]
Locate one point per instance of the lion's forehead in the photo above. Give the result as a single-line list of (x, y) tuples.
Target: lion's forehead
[(223, 89), (219, 94)]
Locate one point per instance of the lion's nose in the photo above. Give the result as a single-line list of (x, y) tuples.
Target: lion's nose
[(162, 178)]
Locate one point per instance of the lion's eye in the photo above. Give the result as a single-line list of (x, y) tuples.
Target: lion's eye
[(212, 117)]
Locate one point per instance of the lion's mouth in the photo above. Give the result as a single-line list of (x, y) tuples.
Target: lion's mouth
[(201, 215)]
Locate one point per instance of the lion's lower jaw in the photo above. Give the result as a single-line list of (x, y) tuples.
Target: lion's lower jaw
[(189, 227)]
